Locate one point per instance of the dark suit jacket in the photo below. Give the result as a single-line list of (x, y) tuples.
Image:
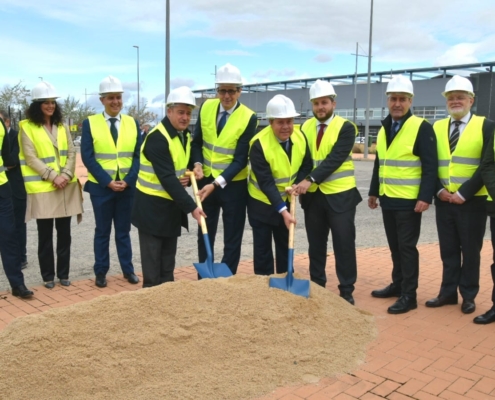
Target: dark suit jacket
[(338, 202), (89, 160), (156, 215), (14, 174), (5, 190), (469, 188), (268, 213), (487, 169), (425, 148), (241, 150)]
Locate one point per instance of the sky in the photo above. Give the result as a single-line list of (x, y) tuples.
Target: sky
[(74, 44)]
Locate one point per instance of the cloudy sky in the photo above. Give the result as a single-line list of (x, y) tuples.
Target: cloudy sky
[(74, 44)]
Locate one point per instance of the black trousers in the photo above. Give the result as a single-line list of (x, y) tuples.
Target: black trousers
[(157, 258), (9, 248), (460, 234), (20, 225), (492, 229), (320, 219), (402, 229), (262, 247), (232, 201), (45, 248)]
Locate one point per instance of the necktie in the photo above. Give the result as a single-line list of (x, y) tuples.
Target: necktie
[(321, 131), (395, 127), (113, 129), (454, 136), (222, 122), (285, 146), (181, 137)]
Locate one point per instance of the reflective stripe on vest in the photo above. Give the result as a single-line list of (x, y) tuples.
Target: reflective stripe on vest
[(147, 181), (342, 178), (218, 150), (457, 168), (284, 172), (3, 175), (46, 153), (113, 158), (400, 170)]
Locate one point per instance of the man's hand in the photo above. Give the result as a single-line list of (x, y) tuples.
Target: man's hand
[(288, 219), (444, 195), (198, 171), (456, 199), (302, 187), (197, 214), (184, 181), (421, 206), (372, 202), (117, 186), (206, 191), (60, 182)]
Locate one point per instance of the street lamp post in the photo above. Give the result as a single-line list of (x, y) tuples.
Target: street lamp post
[(167, 48), (137, 48), (355, 81), (367, 127)]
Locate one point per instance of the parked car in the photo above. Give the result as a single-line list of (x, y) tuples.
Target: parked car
[(77, 141), (360, 139)]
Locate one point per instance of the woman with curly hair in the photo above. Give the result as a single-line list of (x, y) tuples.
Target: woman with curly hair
[(48, 162)]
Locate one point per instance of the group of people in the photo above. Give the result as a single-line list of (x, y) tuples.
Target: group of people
[(140, 180)]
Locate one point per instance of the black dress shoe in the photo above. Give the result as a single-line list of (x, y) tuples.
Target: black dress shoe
[(403, 305), (101, 281), (131, 278), (389, 291), (348, 297), (22, 291), (468, 306), (486, 318), (441, 301)]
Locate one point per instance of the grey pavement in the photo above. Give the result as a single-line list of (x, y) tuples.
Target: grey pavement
[(369, 226)]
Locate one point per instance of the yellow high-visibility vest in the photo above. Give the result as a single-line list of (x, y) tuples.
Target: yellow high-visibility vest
[(3, 176), (147, 181), (46, 153), (400, 170), (284, 171), (113, 158), (341, 179), (456, 168), (219, 150)]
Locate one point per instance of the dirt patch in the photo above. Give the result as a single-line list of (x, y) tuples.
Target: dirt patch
[(211, 339)]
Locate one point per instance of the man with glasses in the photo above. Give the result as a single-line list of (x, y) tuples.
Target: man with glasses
[(460, 197), (219, 152)]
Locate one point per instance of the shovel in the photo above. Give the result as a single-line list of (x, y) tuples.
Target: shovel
[(207, 269), (289, 283)]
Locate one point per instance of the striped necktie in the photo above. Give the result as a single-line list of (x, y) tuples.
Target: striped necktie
[(454, 136)]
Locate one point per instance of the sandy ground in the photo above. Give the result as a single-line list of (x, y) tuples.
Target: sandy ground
[(370, 233)]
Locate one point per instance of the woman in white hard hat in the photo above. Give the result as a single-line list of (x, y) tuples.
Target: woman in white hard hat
[(48, 161)]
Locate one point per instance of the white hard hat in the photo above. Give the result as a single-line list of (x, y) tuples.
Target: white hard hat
[(321, 89), (400, 84), (280, 107), (458, 83), (181, 95), (228, 74), (110, 84), (44, 90)]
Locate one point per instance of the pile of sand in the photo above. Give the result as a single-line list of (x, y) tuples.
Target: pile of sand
[(212, 339)]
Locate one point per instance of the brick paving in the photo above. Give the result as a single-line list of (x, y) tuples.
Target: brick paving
[(424, 354)]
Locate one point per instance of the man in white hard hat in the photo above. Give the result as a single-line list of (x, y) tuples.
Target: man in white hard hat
[(110, 144), (404, 178), (279, 158), (9, 245), (488, 175), (220, 153), (330, 194), (161, 203), (461, 195)]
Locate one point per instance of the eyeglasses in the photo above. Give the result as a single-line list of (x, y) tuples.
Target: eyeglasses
[(223, 92)]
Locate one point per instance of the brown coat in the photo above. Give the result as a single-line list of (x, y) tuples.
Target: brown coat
[(58, 203)]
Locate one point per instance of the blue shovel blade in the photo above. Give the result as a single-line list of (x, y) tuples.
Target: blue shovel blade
[(215, 270), (296, 286)]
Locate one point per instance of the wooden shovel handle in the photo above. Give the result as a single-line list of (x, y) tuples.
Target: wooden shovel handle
[(293, 214), (194, 185)]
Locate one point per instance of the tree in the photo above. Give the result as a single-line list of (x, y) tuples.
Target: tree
[(14, 98), (142, 115), (74, 112)]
